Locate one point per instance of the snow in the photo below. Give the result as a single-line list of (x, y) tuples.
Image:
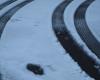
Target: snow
[(29, 38)]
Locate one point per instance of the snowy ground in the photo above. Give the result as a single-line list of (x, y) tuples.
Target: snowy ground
[(29, 38)]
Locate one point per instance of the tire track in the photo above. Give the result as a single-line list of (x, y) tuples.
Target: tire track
[(7, 16), (83, 29), (6, 3), (87, 63)]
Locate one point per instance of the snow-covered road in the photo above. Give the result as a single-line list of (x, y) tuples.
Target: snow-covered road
[(28, 38)]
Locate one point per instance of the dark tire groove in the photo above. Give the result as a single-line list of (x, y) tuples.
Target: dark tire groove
[(3, 5), (7, 16), (83, 30), (86, 62)]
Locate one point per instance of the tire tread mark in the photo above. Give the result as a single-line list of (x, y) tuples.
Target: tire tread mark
[(83, 30), (86, 62), (7, 16), (3, 5)]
